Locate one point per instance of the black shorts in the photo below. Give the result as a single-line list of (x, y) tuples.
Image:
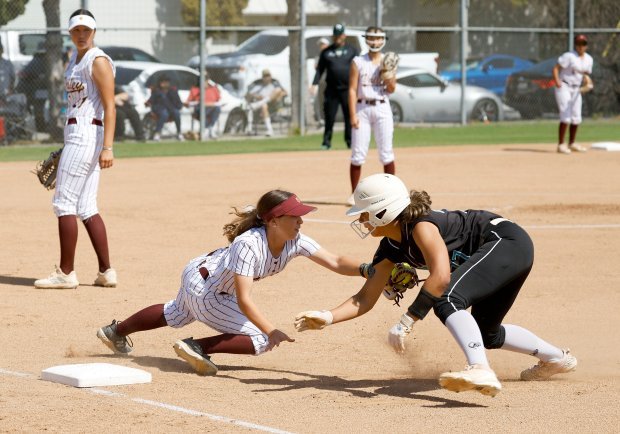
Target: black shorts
[(490, 280)]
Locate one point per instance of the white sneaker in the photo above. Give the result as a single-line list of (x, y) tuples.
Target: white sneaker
[(576, 147), (180, 138), (474, 377), (157, 137), (212, 133), (106, 279), (544, 370), (269, 132), (58, 280), (563, 149)]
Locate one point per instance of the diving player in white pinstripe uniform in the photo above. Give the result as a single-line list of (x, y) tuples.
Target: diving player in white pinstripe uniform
[(216, 287), (369, 108), (89, 81)]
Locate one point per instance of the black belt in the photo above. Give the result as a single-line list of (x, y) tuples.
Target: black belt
[(73, 121), (371, 101), (568, 84)]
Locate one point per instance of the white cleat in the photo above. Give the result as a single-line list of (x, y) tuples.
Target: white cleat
[(563, 149), (544, 370), (351, 200), (576, 147), (474, 377), (58, 280), (106, 279)]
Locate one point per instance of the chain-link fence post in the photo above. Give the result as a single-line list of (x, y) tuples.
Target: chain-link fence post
[(464, 39), (201, 68)]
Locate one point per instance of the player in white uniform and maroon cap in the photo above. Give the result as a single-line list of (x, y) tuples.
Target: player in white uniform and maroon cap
[(89, 82), (369, 108), (216, 287), (569, 74)]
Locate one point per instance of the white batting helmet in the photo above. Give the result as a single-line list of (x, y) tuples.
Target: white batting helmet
[(378, 43), (383, 197)]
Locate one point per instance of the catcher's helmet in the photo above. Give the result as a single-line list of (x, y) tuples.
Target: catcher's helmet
[(378, 41), (383, 197)]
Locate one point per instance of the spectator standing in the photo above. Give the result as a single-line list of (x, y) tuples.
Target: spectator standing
[(335, 60), (7, 76), (124, 110), (165, 103), (260, 94), (212, 104), (570, 71)]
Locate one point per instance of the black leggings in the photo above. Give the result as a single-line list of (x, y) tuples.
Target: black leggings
[(490, 280)]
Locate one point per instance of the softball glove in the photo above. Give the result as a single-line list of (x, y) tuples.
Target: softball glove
[(46, 170), (389, 65)]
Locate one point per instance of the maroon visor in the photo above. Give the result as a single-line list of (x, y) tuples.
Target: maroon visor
[(291, 206)]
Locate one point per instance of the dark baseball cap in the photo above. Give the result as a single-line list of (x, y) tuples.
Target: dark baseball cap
[(338, 29), (581, 39)]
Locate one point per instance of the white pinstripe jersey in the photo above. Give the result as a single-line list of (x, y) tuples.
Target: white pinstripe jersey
[(83, 99), (573, 67), (369, 84), (249, 255)]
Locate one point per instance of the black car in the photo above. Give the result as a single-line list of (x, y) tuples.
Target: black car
[(129, 53), (532, 91)]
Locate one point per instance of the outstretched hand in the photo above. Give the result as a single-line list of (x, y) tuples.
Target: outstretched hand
[(276, 337), (313, 320)]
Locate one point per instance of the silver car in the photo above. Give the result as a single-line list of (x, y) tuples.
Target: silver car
[(422, 96)]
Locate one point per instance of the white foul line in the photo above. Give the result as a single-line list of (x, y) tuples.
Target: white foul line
[(223, 419), (592, 226)]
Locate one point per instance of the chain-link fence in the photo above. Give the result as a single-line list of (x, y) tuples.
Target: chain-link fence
[(461, 60)]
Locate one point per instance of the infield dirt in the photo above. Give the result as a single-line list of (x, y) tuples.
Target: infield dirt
[(161, 212)]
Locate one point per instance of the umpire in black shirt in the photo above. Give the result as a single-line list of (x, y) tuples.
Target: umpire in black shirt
[(336, 60)]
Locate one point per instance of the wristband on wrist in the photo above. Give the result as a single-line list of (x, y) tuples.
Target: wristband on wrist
[(367, 270), (422, 304), (107, 148), (406, 320)]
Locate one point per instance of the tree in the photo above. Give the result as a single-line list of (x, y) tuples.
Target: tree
[(219, 13), (11, 9), (53, 62)]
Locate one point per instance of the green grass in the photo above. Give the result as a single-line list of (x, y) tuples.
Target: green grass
[(475, 134)]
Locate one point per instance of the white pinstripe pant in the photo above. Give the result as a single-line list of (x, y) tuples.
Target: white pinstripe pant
[(77, 180), (198, 299), (377, 118)]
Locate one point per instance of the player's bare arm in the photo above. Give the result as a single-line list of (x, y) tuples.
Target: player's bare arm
[(243, 287), (337, 263), (433, 248), (104, 80), (556, 75), (353, 79)]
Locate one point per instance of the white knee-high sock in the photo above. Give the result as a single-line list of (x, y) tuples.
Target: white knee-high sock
[(524, 341), (466, 332)]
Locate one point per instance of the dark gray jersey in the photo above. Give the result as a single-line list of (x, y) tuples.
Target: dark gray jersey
[(462, 232)]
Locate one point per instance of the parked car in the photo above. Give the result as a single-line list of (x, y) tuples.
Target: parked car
[(532, 91), (269, 49), (137, 78), (489, 72), (129, 53), (20, 46), (422, 96)]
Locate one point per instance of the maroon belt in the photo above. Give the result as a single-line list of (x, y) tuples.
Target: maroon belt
[(203, 272), (73, 121), (371, 101)]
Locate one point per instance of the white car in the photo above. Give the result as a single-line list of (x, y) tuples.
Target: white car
[(422, 96), (269, 49), (136, 78)]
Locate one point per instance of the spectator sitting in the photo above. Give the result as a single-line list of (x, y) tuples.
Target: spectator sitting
[(260, 94), (165, 103), (7, 77), (212, 104), (124, 110)]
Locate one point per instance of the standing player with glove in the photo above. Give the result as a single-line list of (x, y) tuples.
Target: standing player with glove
[(216, 287), (371, 79), (572, 78), (475, 259), (89, 82)]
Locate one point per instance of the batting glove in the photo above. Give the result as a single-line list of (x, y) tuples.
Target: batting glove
[(398, 333), (313, 320)]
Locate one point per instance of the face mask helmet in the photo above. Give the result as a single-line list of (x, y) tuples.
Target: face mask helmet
[(383, 197), (375, 45)]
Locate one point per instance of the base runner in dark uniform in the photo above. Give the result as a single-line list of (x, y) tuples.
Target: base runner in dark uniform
[(475, 259), (336, 60)]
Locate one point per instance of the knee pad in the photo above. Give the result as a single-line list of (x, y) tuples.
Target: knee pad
[(493, 339)]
